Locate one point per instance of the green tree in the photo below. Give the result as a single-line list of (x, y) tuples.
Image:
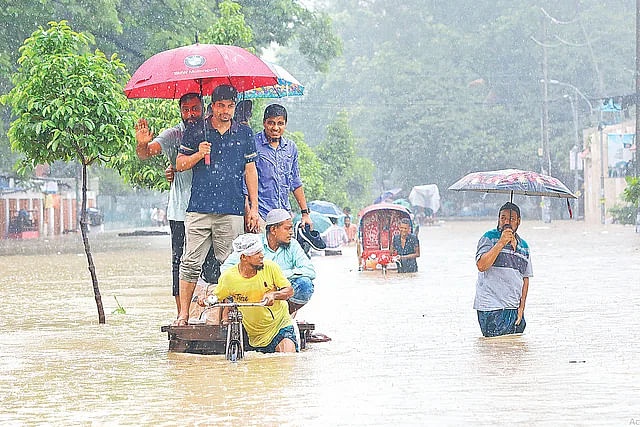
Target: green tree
[(311, 169), (347, 178), (69, 105)]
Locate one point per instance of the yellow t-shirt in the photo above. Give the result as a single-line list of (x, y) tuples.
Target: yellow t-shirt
[(262, 323)]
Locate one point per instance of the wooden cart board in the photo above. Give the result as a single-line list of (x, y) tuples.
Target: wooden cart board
[(212, 339)]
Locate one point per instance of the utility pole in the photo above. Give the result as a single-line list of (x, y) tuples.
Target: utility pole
[(546, 155), (637, 159)]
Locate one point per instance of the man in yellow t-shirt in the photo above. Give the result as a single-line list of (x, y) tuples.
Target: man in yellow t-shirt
[(255, 279)]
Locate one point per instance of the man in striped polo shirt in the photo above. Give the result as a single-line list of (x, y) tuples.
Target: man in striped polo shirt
[(504, 266)]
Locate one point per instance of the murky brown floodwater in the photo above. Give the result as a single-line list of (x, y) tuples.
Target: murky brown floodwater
[(405, 350)]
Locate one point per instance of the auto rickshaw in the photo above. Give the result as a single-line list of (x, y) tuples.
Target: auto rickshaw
[(378, 224)]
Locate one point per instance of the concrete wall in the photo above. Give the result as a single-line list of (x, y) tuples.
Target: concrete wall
[(613, 186)]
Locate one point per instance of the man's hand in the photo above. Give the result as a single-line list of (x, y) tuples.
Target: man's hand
[(306, 219), (269, 298), (204, 148), (507, 237), (520, 314), (252, 218), (144, 135), (169, 173)]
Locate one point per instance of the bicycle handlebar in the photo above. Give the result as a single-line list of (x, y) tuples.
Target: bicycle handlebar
[(213, 301)]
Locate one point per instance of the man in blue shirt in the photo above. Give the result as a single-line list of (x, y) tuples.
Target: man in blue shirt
[(216, 207), (280, 248), (504, 269), (278, 171)]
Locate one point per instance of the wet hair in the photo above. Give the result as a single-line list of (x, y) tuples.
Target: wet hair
[(243, 111), (275, 110), (405, 221), (188, 97), (510, 206), (224, 93)]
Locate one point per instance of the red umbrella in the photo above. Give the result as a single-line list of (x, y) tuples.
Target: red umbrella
[(198, 68)]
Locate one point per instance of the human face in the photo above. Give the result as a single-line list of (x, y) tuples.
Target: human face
[(283, 232), (256, 260), (191, 110), (223, 110), (510, 217), (274, 127), (404, 230), (347, 221)]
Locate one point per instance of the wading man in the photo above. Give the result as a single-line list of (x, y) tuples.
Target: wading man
[(504, 267), (215, 215)]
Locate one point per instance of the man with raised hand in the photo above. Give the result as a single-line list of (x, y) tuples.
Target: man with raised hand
[(504, 269), (168, 143)]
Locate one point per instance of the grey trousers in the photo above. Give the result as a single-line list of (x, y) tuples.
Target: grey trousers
[(202, 231)]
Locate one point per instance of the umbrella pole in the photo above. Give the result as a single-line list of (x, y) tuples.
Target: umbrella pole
[(207, 160), (512, 197)]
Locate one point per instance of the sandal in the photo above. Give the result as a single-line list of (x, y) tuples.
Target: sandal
[(318, 337)]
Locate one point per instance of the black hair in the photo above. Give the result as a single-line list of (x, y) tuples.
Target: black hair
[(510, 206), (188, 97), (347, 209), (405, 221), (275, 110), (243, 111), (224, 93)]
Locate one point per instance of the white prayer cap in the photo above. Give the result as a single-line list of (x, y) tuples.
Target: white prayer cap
[(276, 216), (248, 244)]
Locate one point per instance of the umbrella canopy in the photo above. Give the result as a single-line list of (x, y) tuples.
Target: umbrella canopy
[(426, 196), (387, 194), (325, 208), (287, 85), (402, 202), (513, 181), (198, 68), (320, 222)]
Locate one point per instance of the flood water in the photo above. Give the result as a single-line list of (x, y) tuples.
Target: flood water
[(406, 349)]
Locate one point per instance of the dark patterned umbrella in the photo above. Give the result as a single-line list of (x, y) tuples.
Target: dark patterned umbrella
[(513, 181)]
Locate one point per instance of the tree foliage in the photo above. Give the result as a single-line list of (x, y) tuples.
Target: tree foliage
[(68, 105), (68, 102), (435, 90)]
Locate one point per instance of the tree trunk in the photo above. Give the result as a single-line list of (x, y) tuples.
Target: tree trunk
[(87, 249)]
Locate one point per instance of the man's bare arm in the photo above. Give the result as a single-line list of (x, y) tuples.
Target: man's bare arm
[(185, 162)]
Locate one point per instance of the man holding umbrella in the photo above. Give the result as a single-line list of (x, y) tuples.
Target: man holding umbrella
[(504, 266), (221, 153)]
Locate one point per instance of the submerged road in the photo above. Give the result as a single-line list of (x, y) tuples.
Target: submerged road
[(406, 349)]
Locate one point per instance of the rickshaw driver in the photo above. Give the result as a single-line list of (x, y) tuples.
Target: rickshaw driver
[(254, 279), (504, 269)]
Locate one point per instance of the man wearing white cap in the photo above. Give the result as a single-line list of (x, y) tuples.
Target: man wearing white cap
[(254, 279), (279, 247)]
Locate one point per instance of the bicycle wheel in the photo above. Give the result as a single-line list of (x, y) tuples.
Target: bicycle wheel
[(233, 352)]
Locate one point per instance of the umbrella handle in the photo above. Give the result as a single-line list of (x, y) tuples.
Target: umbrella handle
[(207, 159)]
